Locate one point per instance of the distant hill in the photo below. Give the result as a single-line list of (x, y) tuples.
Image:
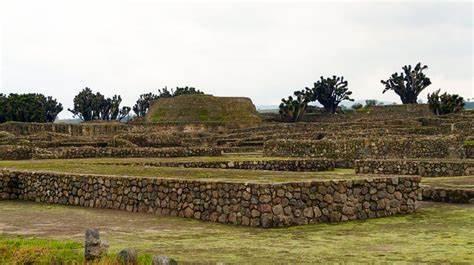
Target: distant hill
[(203, 109), (469, 105)]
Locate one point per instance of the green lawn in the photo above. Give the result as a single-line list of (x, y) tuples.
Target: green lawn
[(107, 167), (461, 182), (436, 233)]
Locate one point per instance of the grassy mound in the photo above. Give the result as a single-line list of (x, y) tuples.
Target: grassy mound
[(204, 109)]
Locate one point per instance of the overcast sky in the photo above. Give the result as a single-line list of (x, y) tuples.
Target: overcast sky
[(262, 50)]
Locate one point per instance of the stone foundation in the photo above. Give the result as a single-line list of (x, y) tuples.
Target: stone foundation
[(247, 204)]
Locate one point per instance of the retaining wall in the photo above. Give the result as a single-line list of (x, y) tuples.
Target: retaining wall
[(352, 149), (247, 204), (23, 152), (83, 129), (428, 168), (441, 194)]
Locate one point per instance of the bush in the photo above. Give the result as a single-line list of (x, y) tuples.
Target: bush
[(357, 106), (370, 102)]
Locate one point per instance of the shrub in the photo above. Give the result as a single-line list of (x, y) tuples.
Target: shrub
[(357, 106), (370, 102)]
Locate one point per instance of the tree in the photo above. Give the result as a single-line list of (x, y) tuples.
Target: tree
[(124, 112), (89, 106), (330, 92), (52, 108), (445, 103), (186, 91), (408, 84), (370, 102), (293, 109), (3, 107), (143, 104), (28, 108)]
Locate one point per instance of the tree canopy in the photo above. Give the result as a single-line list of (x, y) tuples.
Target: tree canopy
[(408, 84), (28, 108), (89, 106), (445, 103), (330, 92)]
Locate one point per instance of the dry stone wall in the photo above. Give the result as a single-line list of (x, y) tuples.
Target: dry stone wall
[(441, 194), (276, 165), (425, 168), (349, 150), (247, 204), (83, 129), (469, 150), (22, 152)]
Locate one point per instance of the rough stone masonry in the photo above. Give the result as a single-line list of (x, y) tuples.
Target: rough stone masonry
[(247, 204)]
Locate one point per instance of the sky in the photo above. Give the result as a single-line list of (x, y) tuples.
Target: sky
[(263, 50)]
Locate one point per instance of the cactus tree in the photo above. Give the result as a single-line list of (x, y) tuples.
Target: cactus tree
[(330, 92), (293, 109), (445, 103), (408, 84)]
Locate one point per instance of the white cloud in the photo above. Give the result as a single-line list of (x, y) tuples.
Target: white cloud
[(261, 50)]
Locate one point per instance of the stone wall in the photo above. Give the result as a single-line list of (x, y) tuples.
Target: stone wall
[(358, 148), (22, 152), (425, 168), (441, 194), (469, 150), (247, 204), (83, 129), (276, 165), (380, 112)]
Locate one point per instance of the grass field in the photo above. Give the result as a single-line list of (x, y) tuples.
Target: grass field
[(461, 182), (436, 233)]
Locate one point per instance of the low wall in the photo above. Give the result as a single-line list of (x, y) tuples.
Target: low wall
[(22, 152), (428, 168), (430, 147), (277, 165), (440, 194), (83, 129), (247, 204)]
